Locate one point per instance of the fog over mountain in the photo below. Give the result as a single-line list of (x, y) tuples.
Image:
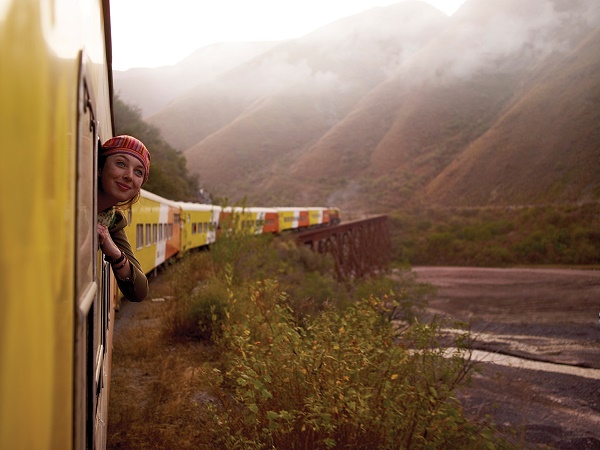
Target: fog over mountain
[(498, 104)]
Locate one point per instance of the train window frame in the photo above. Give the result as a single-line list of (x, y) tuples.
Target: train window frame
[(139, 236), (93, 301)]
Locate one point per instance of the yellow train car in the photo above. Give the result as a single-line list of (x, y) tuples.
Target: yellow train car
[(199, 224), (293, 219), (253, 220), (318, 217), (154, 227), (55, 292)]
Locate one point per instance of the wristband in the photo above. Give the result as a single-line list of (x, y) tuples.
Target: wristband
[(121, 265), (115, 261)]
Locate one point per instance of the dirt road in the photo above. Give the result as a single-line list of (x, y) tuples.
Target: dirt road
[(542, 316)]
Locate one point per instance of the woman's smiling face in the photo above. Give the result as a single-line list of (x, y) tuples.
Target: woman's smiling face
[(121, 177)]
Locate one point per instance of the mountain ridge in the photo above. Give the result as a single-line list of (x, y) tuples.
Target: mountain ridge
[(473, 109)]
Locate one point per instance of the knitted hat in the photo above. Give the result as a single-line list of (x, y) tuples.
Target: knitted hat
[(130, 146)]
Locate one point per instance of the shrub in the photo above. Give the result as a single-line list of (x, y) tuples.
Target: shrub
[(346, 379)]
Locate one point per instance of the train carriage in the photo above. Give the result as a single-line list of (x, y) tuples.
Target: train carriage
[(254, 220), (199, 223), (55, 289), (267, 220), (154, 230), (318, 217), (293, 219)]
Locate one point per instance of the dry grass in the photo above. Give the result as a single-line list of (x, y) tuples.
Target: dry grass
[(156, 385)]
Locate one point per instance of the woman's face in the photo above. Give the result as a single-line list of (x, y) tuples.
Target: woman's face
[(121, 177)]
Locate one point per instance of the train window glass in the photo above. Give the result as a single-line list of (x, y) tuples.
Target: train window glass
[(193, 228), (170, 231), (176, 218), (154, 233), (148, 235), (139, 236), (161, 233), (129, 216)]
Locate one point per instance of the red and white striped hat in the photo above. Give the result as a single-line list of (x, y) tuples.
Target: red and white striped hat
[(130, 146)]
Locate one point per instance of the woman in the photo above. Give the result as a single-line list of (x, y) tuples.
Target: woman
[(123, 167)]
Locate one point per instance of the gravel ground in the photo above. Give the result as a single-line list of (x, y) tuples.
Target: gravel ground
[(544, 315)]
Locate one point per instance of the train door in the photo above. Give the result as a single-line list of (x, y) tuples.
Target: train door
[(92, 284)]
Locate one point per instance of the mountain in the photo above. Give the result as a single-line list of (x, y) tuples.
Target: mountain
[(152, 89), (497, 104)]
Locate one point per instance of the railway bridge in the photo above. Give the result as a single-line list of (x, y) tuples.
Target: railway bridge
[(359, 248)]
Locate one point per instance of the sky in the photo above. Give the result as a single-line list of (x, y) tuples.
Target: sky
[(154, 33)]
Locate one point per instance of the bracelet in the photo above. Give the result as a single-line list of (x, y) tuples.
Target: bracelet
[(121, 265), (115, 261)]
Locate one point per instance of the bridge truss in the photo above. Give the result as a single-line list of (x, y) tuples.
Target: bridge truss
[(359, 248)]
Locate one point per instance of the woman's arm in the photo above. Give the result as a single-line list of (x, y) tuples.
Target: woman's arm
[(130, 278)]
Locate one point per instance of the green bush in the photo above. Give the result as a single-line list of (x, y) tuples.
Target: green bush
[(348, 379), (565, 234)]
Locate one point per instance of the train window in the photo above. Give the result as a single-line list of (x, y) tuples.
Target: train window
[(194, 228), (139, 236), (176, 218), (154, 233), (148, 235), (129, 216)]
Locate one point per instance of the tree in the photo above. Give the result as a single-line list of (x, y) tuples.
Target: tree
[(169, 176)]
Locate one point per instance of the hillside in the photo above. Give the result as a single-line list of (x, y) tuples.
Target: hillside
[(401, 105), (151, 90)]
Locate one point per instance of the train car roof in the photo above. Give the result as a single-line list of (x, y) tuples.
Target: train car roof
[(189, 206), (157, 198)]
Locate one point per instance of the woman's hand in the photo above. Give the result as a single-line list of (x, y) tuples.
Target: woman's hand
[(108, 247)]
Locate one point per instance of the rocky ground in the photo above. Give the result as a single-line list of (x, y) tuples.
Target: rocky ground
[(541, 317)]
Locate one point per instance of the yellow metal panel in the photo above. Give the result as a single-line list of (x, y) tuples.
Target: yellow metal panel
[(315, 216), (40, 43), (146, 212), (36, 237)]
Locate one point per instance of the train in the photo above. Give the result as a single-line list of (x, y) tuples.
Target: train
[(160, 229), (57, 294)]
